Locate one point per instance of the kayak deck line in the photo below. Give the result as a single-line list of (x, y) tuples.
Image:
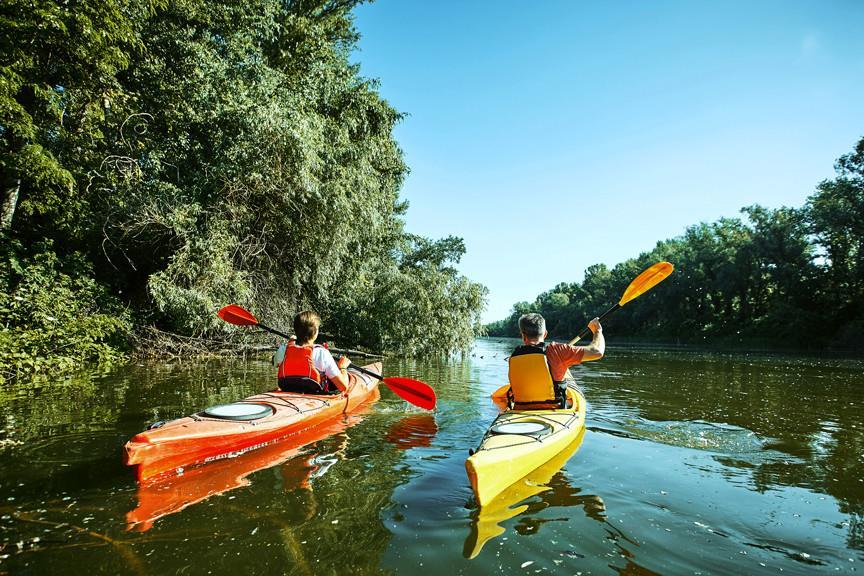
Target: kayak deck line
[(283, 401), (272, 401), (529, 417)]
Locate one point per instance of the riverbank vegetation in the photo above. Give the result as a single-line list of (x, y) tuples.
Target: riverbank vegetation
[(785, 277), (161, 159)]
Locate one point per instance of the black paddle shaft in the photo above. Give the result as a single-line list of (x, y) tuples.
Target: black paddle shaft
[(587, 330), (365, 371), (274, 331)]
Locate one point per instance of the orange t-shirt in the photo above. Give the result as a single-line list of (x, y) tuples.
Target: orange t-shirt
[(561, 357)]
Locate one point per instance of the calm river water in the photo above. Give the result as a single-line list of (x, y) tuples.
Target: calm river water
[(691, 464)]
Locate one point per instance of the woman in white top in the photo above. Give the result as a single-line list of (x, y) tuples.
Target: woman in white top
[(309, 368)]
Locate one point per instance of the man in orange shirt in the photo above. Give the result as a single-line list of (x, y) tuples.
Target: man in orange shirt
[(539, 369)]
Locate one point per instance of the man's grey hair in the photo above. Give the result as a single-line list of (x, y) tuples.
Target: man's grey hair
[(532, 325)]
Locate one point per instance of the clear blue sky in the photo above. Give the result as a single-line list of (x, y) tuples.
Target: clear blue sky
[(559, 134)]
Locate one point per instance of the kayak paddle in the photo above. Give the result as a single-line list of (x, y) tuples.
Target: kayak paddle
[(641, 284), (238, 316), (649, 278), (412, 391)]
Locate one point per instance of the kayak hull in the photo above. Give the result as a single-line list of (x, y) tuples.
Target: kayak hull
[(199, 438), (487, 522), (504, 458)]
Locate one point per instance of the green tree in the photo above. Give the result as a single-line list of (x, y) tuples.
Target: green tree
[(58, 81), (786, 276), (835, 214), (195, 154)]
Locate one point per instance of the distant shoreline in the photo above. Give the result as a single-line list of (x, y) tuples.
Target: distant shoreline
[(749, 347)]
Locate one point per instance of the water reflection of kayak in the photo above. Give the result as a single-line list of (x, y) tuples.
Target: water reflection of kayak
[(161, 498), (251, 424), (487, 520), (519, 441), (413, 431)]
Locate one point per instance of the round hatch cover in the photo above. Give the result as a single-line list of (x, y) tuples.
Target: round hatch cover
[(239, 411), (531, 427)]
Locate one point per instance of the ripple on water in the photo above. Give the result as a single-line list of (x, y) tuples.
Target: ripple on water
[(68, 448), (696, 434)]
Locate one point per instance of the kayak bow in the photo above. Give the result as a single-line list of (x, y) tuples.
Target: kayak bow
[(519, 441), (233, 429)]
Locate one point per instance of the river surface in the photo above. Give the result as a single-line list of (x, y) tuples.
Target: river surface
[(691, 463)]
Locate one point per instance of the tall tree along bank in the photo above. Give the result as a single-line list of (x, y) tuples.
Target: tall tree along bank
[(160, 159), (788, 277)]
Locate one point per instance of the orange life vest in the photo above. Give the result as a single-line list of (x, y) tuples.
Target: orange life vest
[(297, 372)]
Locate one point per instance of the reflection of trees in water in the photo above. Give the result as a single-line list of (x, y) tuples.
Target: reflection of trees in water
[(96, 401), (855, 538), (630, 568), (807, 409), (562, 494), (623, 544), (321, 508)]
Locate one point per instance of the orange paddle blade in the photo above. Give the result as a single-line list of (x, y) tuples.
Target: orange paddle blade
[(646, 280), (412, 391), (238, 316)]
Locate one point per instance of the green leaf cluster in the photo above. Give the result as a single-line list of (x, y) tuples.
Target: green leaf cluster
[(194, 154), (54, 317), (419, 284)]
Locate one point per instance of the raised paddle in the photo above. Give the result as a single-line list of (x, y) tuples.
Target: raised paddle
[(641, 284), (412, 391)]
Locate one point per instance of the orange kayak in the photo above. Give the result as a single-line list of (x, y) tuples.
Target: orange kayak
[(165, 496), (230, 430)]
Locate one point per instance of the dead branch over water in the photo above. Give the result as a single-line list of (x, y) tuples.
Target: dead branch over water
[(152, 343)]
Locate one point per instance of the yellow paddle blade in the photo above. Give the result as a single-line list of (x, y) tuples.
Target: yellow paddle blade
[(501, 392), (646, 280)]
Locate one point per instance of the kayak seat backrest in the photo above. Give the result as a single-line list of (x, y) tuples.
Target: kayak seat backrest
[(530, 379), (301, 385)]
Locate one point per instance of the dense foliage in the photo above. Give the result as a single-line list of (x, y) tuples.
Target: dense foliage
[(181, 155), (789, 276)]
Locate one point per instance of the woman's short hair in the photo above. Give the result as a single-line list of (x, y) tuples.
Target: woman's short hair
[(532, 325), (306, 324)]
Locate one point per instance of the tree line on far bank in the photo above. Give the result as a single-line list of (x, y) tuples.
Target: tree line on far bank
[(161, 159), (786, 277)]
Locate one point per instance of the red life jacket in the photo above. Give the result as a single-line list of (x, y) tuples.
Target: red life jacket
[(297, 372)]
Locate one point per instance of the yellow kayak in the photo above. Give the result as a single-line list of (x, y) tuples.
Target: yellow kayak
[(519, 441), (487, 522)]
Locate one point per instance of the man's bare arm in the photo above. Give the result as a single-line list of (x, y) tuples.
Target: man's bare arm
[(597, 347)]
